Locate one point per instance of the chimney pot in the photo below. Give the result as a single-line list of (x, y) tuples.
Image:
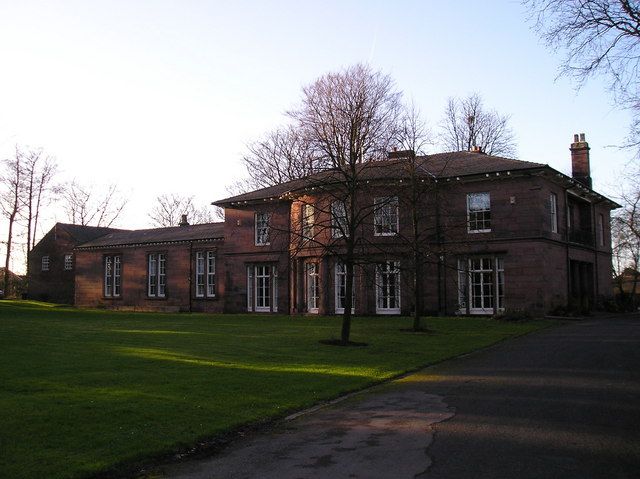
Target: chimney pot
[(183, 221), (576, 138), (582, 137)]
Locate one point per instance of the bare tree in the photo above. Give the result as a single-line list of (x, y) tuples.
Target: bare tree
[(467, 124), (346, 119), (282, 155), (598, 37), (625, 235), (416, 197), (39, 172), (169, 208), (12, 181), (86, 206)]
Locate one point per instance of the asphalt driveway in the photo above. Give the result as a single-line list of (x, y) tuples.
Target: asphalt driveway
[(559, 403)]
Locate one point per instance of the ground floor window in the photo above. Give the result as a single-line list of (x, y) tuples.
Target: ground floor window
[(157, 277), (313, 287), (388, 287), (205, 274), (481, 285), (341, 288), (262, 288), (112, 276)]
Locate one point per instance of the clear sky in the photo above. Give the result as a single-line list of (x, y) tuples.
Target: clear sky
[(163, 96)]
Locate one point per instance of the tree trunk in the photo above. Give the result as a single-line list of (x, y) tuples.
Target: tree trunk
[(348, 301), (8, 257), (417, 296)]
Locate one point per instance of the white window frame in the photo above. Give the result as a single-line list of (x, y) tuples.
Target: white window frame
[(260, 303), (45, 263), (308, 221), (156, 275), (205, 274), (312, 275), (162, 275), (338, 219), (211, 274), (68, 262), (485, 274), (553, 211), (387, 291), (386, 216), (340, 284), (200, 275), (262, 288), (112, 265), (261, 229), (478, 220)]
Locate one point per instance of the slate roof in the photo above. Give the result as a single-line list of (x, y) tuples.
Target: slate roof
[(173, 234), (82, 234), (440, 165)]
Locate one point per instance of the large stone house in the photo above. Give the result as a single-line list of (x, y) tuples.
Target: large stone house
[(495, 234), (504, 234)]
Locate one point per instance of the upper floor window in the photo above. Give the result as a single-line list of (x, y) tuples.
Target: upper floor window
[(338, 219), (553, 212), (45, 263), (157, 279), (68, 262), (262, 228), (478, 212), (308, 220), (205, 274), (112, 276), (385, 216)]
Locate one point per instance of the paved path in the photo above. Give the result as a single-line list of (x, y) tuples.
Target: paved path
[(561, 403)]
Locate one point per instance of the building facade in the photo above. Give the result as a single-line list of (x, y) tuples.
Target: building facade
[(494, 234), (450, 233), (160, 269)]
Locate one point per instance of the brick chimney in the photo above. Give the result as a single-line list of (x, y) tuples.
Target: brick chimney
[(401, 155), (580, 169), (183, 221)]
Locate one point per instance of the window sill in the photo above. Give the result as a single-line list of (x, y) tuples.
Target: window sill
[(478, 231)]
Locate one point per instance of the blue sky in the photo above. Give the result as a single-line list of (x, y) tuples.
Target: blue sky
[(163, 96)]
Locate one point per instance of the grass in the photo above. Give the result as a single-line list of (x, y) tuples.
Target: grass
[(83, 391)]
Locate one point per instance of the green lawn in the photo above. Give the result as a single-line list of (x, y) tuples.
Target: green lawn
[(82, 391)]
